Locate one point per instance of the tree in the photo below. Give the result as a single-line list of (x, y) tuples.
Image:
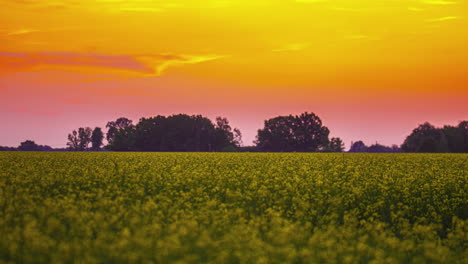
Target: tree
[(150, 134), (426, 138), (28, 145), (189, 133), (396, 148), (84, 134), (237, 138), (336, 145), (2, 148), (114, 126), (96, 138), (79, 141), (123, 139), (175, 133), (73, 141), (358, 146), (378, 148), (303, 133), (226, 139), (455, 138), (463, 126)]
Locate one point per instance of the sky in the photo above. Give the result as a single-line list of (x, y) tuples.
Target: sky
[(371, 70)]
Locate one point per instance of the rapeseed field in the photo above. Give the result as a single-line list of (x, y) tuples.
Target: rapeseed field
[(233, 208)]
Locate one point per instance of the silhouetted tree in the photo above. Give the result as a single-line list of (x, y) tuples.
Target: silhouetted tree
[(463, 126), (360, 147), (84, 134), (303, 133), (114, 126), (2, 148), (335, 145), (237, 137), (150, 134), (123, 139), (189, 133), (79, 141), (378, 148), (426, 138), (396, 148), (357, 147), (28, 145), (96, 138), (455, 138), (226, 138), (73, 141), (176, 133)]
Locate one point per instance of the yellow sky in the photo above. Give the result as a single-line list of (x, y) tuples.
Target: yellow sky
[(301, 42)]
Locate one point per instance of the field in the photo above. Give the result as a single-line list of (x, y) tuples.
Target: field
[(233, 208)]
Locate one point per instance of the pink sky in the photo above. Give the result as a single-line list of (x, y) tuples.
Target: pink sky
[(33, 107)]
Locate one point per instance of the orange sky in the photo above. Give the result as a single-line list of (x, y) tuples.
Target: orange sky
[(373, 70)]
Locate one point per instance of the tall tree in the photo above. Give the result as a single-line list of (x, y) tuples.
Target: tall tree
[(114, 126), (303, 133), (73, 141), (237, 138), (84, 134), (226, 139), (96, 138), (79, 140)]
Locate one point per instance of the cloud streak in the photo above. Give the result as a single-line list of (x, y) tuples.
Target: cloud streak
[(21, 32), (440, 19), (139, 65), (292, 47), (438, 2)]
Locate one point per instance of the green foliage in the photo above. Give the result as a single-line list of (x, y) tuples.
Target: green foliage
[(233, 208)]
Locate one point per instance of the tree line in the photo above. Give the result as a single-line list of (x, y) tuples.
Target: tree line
[(291, 133), (427, 138)]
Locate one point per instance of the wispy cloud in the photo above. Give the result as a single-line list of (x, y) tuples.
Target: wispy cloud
[(139, 65), (20, 32), (159, 63), (292, 47), (439, 19), (438, 2), (415, 9)]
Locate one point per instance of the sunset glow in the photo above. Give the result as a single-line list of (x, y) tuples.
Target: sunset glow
[(372, 70)]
